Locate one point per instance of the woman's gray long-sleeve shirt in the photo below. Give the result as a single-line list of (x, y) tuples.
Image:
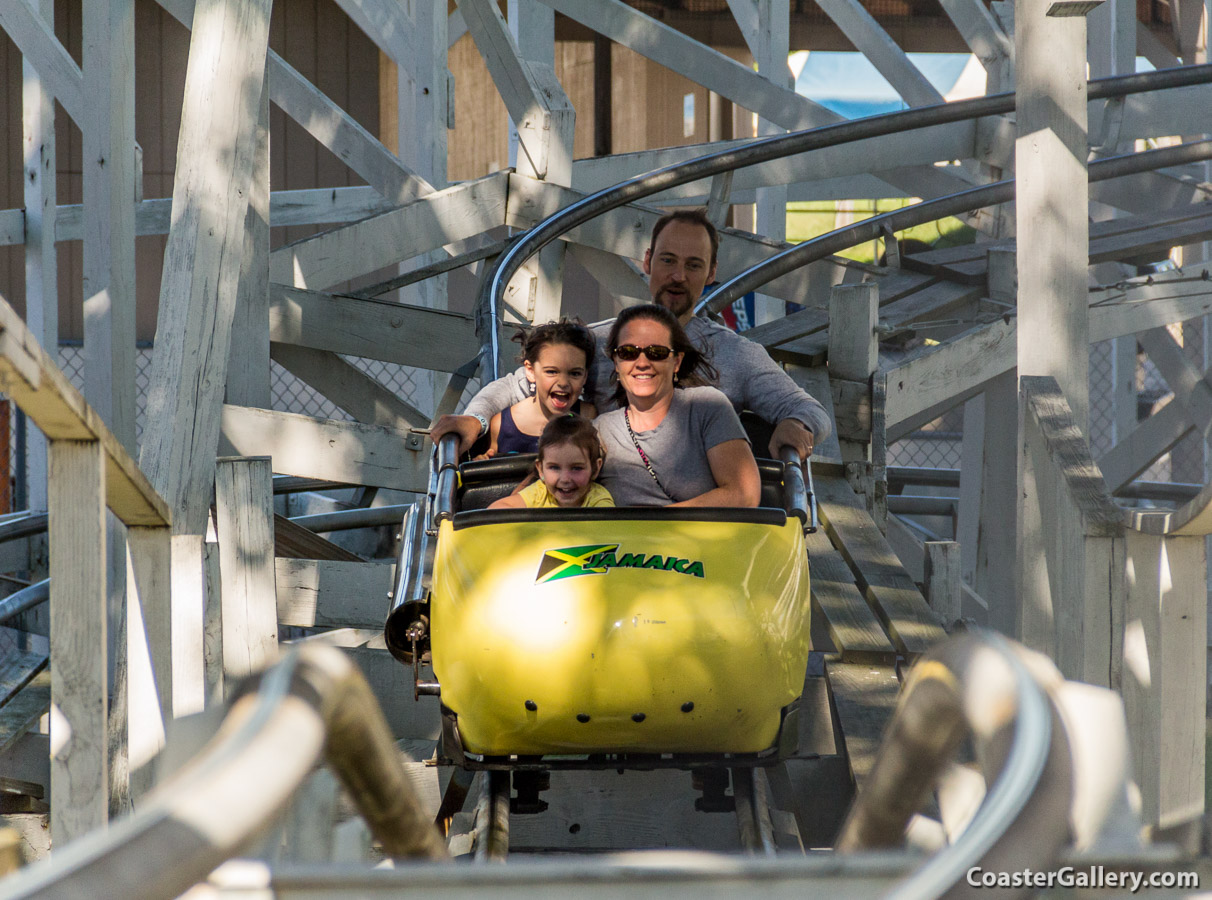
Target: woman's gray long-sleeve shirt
[(747, 375)]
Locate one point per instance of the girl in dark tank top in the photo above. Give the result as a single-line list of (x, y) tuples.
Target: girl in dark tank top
[(556, 357)]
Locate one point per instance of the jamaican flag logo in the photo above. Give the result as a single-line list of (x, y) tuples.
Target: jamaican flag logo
[(571, 561), (597, 559)]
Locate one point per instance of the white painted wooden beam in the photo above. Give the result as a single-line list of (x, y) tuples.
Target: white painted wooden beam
[(244, 502), (1051, 193), (1070, 544), (957, 369), (35, 38), (79, 623), (710, 68), (42, 391), (216, 152), (148, 649), (870, 39), (374, 329), (1164, 673), (248, 361), (349, 452), (444, 217), (385, 22), (532, 94), (337, 131), (455, 27), (41, 259), (108, 133), (333, 594), (982, 33)]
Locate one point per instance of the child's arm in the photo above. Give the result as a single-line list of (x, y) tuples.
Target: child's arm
[(494, 429), (588, 410), (509, 501)]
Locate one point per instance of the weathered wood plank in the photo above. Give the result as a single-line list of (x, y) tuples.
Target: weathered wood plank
[(374, 329), (79, 623), (148, 645), (333, 593), (43, 392), (921, 388), (942, 580), (1070, 533), (35, 38), (349, 452), (296, 542), (349, 141), (245, 505), (870, 39), (441, 218), (365, 398), (865, 697), (224, 76), (853, 351), (41, 215), (902, 610), (108, 129), (853, 627), (17, 669), (23, 710), (248, 359), (1164, 677), (536, 102)]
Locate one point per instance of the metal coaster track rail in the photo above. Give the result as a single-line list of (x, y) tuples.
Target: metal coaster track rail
[(489, 303)]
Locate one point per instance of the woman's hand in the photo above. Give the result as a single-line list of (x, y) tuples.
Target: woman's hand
[(736, 477)]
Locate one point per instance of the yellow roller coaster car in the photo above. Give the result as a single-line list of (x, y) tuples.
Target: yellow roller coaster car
[(563, 633)]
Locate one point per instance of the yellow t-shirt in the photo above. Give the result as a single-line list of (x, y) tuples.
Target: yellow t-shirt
[(537, 495)]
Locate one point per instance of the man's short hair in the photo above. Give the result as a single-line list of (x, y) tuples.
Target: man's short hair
[(692, 217)]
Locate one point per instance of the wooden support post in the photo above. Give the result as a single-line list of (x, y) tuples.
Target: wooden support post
[(108, 130), (1164, 682), (1070, 540), (79, 623), (188, 591), (853, 353), (987, 480), (533, 27), (942, 580), (1050, 159), (216, 155), (148, 649), (248, 365), (41, 261), (770, 48), (244, 501)]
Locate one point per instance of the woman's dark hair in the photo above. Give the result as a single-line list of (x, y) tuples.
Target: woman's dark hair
[(572, 430), (565, 331), (694, 371)]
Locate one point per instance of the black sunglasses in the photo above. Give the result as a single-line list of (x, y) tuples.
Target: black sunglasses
[(630, 352)]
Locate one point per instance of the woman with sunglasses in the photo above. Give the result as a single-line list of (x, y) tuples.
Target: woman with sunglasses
[(676, 441)]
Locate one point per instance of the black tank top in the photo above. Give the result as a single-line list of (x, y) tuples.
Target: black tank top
[(511, 440)]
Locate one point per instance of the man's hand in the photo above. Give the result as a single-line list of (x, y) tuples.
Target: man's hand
[(792, 433), (466, 427)]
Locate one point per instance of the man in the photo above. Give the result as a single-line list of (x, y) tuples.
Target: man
[(679, 262)]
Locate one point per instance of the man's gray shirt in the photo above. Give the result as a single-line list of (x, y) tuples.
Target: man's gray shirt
[(747, 376)]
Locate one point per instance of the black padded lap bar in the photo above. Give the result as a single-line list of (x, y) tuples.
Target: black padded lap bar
[(758, 516), (487, 480)]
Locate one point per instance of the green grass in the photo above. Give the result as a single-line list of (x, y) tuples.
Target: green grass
[(809, 220)]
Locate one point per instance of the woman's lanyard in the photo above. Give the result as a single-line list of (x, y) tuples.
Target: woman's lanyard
[(643, 455)]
